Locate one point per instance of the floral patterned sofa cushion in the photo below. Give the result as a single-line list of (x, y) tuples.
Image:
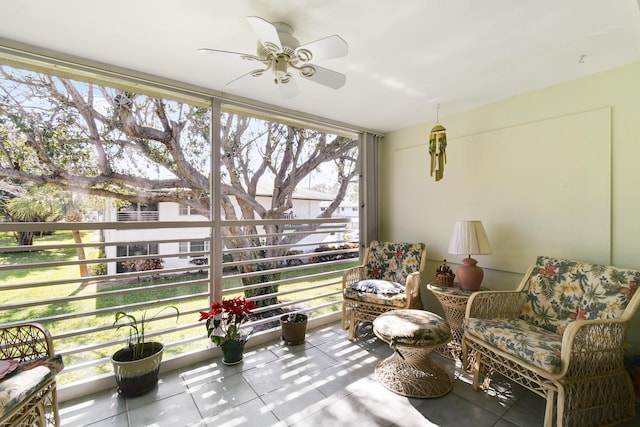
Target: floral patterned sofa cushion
[(393, 261), (520, 338), (24, 380), (391, 300), (561, 291), (413, 327)]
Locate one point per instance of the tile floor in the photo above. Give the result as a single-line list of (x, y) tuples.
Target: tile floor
[(327, 381)]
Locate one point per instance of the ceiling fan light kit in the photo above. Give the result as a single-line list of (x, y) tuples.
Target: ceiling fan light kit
[(280, 51)]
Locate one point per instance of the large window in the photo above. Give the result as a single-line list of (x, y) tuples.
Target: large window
[(135, 165)]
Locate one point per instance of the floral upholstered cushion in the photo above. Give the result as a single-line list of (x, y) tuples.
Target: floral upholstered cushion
[(391, 300), (520, 338), (608, 294), (27, 378), (561, 291), (378, 287), (393, 261), (413, 327)]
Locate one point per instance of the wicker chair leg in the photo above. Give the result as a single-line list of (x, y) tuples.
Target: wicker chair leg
[(549, 411), (41, 415), (477, 370), (54, 407), (344, 317), (353, 327)]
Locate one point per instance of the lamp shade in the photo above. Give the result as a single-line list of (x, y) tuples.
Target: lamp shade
[(469, 238)]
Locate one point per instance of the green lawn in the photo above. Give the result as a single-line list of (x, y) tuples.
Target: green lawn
[(98, 298)]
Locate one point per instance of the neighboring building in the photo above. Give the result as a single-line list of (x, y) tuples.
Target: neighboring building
[(306, 204), (345, 210)]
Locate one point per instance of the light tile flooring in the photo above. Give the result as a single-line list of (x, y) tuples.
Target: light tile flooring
[(327, 381)]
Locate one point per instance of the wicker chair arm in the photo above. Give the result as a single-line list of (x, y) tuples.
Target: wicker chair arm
[(25, 341), (495, 304), (352, 275), (592, 347)]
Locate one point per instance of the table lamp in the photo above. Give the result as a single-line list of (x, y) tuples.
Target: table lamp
[(469, 238)]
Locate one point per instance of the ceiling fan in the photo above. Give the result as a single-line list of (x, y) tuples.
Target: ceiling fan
[(279, 51)]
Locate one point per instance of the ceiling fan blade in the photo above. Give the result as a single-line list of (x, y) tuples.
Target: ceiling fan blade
[(325, 48), (244, 77), (266, 32), (227, 52), (289, 89), (327, 77)]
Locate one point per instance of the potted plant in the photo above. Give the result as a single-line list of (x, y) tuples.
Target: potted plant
[(136, 366), (223, 322), (294, 328)]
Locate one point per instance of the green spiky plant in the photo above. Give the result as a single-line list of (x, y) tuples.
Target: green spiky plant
[(137, 329)]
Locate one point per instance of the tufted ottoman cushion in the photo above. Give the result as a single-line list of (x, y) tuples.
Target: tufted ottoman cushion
[(409, 371), (412, 327)]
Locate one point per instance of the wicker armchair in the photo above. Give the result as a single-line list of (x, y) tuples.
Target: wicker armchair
[(389, 279), (28, 392), (561, 334)]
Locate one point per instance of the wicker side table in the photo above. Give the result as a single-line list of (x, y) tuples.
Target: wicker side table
[(453, 300)]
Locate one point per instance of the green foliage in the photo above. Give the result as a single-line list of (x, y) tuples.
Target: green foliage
[(97, 269), (137, 328), (40, 203), (144, 264)]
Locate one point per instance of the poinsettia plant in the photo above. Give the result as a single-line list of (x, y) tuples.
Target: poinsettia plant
[(224, 319)]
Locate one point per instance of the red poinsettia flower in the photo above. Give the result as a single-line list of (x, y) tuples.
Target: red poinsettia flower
[(224, 319)]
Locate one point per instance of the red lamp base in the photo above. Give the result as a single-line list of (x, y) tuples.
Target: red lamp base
[(470, 275)]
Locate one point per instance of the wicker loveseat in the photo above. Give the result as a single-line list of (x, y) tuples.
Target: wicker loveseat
[(28, 383), (562, 335), (389, 279)]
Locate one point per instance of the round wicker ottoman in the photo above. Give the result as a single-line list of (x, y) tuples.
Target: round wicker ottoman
[(409, 371)]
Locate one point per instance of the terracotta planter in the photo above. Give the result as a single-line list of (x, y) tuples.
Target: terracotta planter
[(232, 352), (136, 377), (294, 332)]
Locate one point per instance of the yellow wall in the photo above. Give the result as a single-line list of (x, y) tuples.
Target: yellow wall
[(592, 179)]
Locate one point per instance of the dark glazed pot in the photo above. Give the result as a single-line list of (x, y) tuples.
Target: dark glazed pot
[(232, 352), (293, 330)]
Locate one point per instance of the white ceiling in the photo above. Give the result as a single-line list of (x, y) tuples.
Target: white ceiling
[(404, 57)]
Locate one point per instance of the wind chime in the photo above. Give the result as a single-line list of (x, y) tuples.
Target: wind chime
[(438, 147)]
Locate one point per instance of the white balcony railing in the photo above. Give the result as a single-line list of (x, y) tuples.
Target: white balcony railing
[(69, 287), (139, 216)]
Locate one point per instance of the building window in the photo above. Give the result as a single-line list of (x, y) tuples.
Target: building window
[(133, 250), (183, 248), (187, 248), (186, 210), (200, 245)]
